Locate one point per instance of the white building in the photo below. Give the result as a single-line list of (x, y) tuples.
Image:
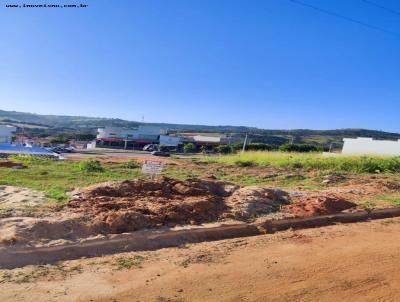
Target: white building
[(207, 139), (369, 146), (6, 134), (215, 140), (170, 141), (143, 132)]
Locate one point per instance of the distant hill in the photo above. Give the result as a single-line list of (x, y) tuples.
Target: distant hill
[(44, 125), (91, 123)]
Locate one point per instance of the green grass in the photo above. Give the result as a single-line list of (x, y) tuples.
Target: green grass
[(56, 178), (312, 161), (391, 199), (379, 201), (180, 173)]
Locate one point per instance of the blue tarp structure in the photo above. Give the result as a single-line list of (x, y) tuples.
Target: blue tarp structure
[(9, 149)]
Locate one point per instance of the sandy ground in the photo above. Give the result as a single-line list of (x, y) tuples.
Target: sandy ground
[(16, 201), (17, 197), (354, 262)]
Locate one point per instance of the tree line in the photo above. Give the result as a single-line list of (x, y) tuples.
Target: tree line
[(226, 149)]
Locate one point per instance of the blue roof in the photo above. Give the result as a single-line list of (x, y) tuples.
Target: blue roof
[(9, 149)]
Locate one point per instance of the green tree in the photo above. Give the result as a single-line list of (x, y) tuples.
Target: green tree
[(260, 147), (223, 149), (301, 148), (189, 148)]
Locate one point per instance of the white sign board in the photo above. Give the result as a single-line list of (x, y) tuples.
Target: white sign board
[(152, 167)]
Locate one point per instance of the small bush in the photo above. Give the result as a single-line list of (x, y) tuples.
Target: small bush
[(90, 165)]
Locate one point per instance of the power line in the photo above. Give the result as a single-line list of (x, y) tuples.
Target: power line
[(331, 13), (382, 7)]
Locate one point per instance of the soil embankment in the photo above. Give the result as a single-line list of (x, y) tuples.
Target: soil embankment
[(166, 212), (117, 207)]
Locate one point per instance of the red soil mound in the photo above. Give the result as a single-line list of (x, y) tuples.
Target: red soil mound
[(137, 204), (318, 205)]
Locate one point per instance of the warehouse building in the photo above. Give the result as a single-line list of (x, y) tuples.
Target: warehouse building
[(203, 140)]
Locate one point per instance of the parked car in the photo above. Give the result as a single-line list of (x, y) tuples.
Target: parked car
[(150, 147), (160, 153), (59, 150)]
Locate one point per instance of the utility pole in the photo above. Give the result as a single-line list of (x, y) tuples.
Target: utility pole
[(244, 143)]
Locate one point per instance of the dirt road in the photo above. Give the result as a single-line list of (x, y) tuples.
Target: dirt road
[(355, 262)]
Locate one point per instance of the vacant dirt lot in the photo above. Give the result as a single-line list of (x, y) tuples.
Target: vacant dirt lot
[(132, 205), (355, 262)]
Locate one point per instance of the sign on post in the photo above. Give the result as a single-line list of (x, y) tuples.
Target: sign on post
[(152, 167)]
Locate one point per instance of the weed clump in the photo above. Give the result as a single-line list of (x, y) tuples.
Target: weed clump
[(127, 263), (130, 165), (90, 165)]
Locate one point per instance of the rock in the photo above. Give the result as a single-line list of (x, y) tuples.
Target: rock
[(250, 202)]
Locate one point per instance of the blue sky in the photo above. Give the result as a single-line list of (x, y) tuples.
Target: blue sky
[(270, 64)]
